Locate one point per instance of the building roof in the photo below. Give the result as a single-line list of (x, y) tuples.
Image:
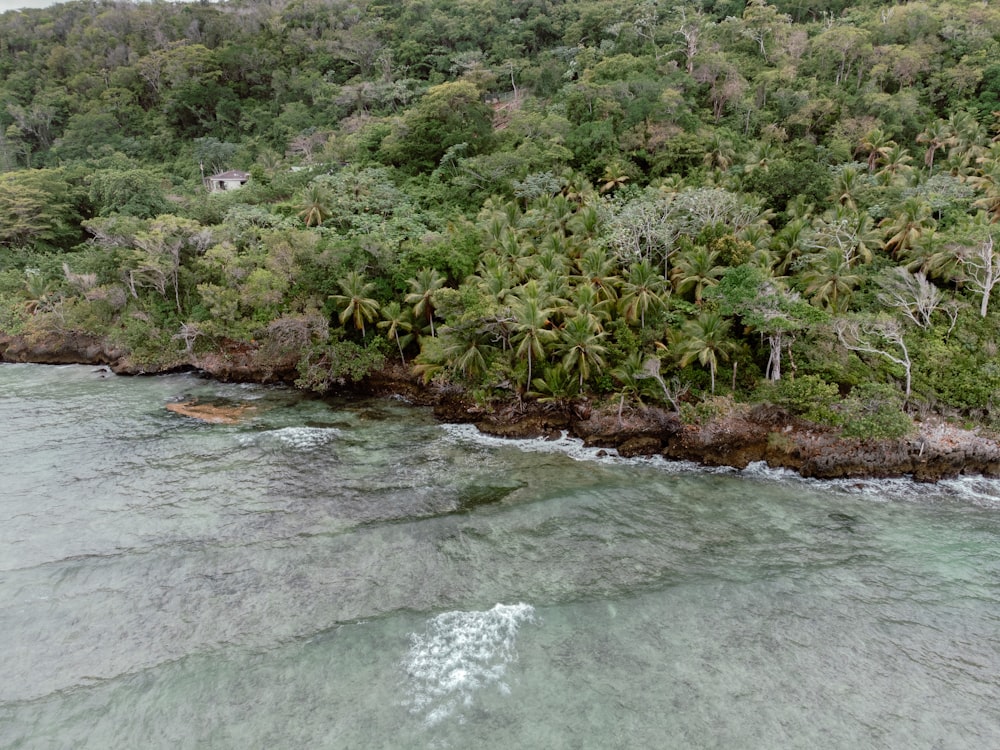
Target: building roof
[(232, 174)]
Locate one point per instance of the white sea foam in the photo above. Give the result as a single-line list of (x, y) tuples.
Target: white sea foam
[(978, 490), (303, 438), (459, 654), (569, 446)]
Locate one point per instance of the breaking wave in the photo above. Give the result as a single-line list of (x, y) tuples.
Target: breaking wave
[(302, 438), (977, 490), (459, 654), (569, 446)]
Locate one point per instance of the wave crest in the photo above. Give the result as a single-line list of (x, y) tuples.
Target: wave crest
[(459, 654)]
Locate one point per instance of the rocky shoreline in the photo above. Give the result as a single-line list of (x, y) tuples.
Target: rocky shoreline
[(748, 434)]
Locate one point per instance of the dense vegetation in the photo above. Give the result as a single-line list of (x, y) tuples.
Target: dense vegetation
[(627, 199)]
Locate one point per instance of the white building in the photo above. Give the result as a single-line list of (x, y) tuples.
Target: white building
[(231, 180)]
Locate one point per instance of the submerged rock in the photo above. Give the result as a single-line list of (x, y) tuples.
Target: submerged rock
[(212, 413)]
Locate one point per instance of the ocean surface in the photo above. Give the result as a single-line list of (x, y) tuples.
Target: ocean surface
[(353, 574)]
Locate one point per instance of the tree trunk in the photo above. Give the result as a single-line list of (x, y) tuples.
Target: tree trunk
[(774, 360)]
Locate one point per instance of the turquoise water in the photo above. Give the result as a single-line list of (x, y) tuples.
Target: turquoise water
[(338, 574)]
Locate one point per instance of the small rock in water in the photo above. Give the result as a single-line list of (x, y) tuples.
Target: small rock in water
[(842, 517), (845, 522), (211, 413)]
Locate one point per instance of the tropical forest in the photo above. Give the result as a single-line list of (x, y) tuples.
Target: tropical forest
[(683, 204)]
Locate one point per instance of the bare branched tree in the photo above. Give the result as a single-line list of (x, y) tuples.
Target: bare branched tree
[(188, 333), (690, 31), (82, 282), (982, 264), (672, 393), (911, 294), (883, 337)]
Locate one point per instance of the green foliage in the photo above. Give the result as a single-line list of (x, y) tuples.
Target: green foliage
[(448, 114), (40, 209), (531, 194), (808, 396), (961, 371), (787, 178), (455, 252), (150, 343), (13, 315), (874, 411), (708, 410), (336, 363), (133, 192)]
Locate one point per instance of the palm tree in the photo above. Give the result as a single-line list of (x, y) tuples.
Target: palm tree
[(799, 207), (423, 288), (719, 152), (467, 349), (937, 135), (696, 269), (643, 291), (829, 280), (316, 206), (555, 386), (966, 143), (585, 222), (513, 251), (760, 158), (935, 257), (494, 229), (587, 302), (863, 236), (556, 212), (577, 188), (790, 243), (846, 186), (877, 143), (494, 278), (38, 289), (706, 339), (895, 163), (355, 303), (630, 375), (396, 319), (600, 271), (848, 230), (613, 178), (551, 259), (531, 329), (758, 235), (581, 347), (914, 218), (988, 183)]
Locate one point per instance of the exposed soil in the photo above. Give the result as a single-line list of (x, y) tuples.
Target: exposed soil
[(762, 433)]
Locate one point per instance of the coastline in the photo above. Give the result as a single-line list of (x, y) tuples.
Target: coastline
[(747, 434)]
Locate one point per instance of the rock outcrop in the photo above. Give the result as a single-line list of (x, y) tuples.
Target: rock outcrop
[(936, 451), (212, 413), (70, 349), (765, 433)]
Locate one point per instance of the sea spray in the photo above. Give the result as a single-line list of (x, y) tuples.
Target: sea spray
[(569, 446), (459, 654), (301, 438)]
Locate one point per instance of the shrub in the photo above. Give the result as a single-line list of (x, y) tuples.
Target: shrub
[(808, 395), (874, 410), (338, 362)]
